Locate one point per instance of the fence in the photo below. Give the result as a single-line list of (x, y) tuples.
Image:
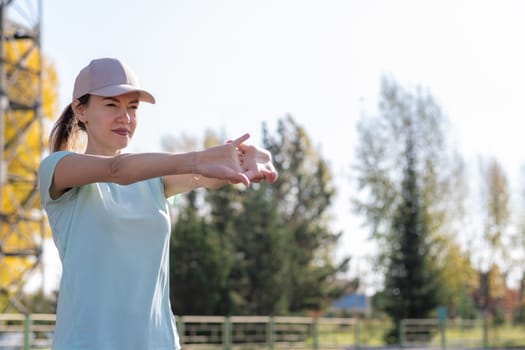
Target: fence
[(32, 331), (35, 331), (209, 332), (460, 334), (261, 332)]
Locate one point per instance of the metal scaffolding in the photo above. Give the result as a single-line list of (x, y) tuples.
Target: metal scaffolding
[(21, 140)]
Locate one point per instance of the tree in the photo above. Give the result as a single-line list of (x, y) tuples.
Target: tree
[(459, 279), (280, 232), (411, 281), (198, 263), (496, 207), (259, 273), (272, 242), (201, 252), (302, 196), (405, 171), (518, 242)]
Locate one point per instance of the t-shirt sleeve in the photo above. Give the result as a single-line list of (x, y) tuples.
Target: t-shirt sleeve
[(46, 172)]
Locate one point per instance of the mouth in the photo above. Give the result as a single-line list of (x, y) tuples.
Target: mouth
[(121, 132)]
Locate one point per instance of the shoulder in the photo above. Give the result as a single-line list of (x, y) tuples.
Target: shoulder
[(48, 164), (46, 172), (51, 160)]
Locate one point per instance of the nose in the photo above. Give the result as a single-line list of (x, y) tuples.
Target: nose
[(123, 116)]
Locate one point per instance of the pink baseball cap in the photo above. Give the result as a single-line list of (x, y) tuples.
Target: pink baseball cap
[(108, 77)]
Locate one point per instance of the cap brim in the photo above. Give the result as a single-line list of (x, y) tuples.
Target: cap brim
[(116, 90)]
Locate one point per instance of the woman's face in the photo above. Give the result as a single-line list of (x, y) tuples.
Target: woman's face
[(110, 122)]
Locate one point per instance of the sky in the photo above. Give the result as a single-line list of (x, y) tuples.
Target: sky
[(230, 65)]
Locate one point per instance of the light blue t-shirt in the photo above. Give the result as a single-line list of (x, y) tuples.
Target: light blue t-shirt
[(113, 241)]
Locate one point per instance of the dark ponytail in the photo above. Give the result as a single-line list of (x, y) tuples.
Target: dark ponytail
[(64, 133)]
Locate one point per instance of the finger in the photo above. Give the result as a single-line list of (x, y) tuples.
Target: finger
[(260, 178), (244, 179), (270, 176), (251, 174), (241, 139), (235, 177), (264, 175), (244, 147)]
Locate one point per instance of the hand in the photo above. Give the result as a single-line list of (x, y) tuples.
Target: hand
[(222, 162), (257, 163)]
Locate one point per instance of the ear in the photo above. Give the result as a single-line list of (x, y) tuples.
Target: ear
[(79, 110)]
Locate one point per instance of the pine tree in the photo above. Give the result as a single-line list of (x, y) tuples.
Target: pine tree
[(409, 191), (303, 196), (198, 263), (266, 249), (411, 282)]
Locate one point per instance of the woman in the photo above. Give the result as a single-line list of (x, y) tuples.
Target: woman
[(109, 215)]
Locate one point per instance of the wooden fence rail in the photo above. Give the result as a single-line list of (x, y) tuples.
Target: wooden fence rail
[(35, 331)]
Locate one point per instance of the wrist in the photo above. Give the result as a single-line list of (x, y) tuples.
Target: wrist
[(193, 166), (214, 184)]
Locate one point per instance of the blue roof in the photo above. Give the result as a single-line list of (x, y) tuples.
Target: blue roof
[(352, 302)]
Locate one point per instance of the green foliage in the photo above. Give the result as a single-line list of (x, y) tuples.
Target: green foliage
[(411, 282), (259, 273), (302, 195), (40, 303), (226, 206), (496, 205), (199, 265), (409, 183), (260, 250)]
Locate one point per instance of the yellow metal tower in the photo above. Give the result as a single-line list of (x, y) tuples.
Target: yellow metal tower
[(21, 140)]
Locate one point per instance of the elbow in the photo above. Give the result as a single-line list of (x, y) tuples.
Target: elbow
[(124, 181), (118, 173)]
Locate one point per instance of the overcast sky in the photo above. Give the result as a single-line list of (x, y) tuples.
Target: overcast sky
[(231, 64)]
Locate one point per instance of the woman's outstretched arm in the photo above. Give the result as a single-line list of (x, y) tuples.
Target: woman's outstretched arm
[(220, 162)]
